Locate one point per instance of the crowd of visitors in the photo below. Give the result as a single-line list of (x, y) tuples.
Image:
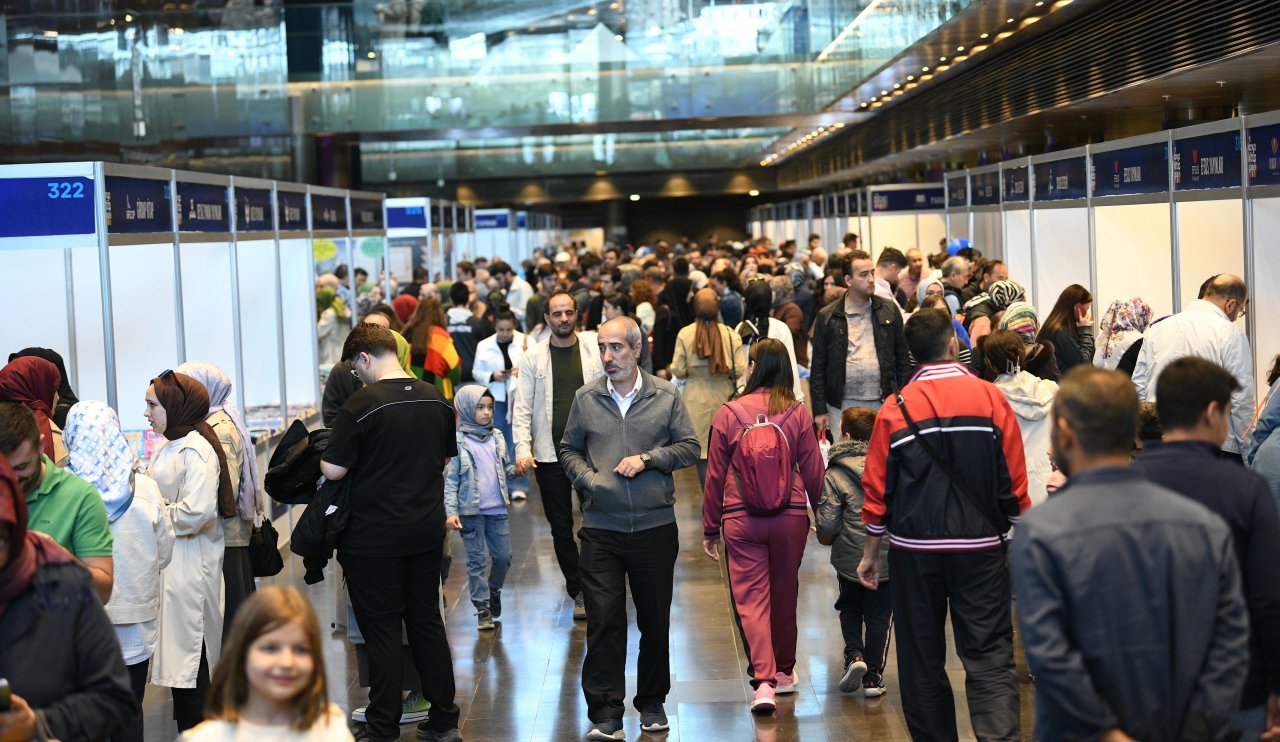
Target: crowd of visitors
[(914, 408)]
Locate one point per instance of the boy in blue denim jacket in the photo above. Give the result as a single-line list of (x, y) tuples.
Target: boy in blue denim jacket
[(476, 499)]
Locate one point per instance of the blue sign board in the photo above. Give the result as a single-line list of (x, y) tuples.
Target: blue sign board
[(36, 207), (137, 206), (500, 220), (203, 208), (984, 189), (1016, 185), (522, 220), (253, 210), (406, 217), (1264, 155), (1142, 169), (925, 198), (328, 212), (1061, 179), (957, 191), (366, 213), (293, 211), (1211, 161)]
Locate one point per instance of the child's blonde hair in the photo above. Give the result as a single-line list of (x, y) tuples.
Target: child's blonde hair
[(267, 610)]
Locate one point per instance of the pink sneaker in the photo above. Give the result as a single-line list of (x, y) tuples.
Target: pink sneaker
[(788, 683), (763, 702)]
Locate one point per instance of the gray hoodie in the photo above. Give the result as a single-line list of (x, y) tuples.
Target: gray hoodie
[(597, 437), (839, 515)]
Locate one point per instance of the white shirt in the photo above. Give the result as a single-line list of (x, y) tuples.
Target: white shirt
[(624, 402), (518, 295), (331, 727), (1204, 330)]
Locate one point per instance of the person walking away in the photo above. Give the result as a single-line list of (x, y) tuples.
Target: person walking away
[(1069, 327), (142, 537), (758, 325), (1031, 399), (1122, 586), (476, 500), (765, 468), (726, 286), (838, 520), (498, 359), (946, 498), (1122, 326), (710, 360), (433, 356), (627, 433), (673, 313), (465, 328)]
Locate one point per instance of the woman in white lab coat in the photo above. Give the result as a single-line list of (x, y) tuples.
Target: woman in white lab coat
[(191, 471)]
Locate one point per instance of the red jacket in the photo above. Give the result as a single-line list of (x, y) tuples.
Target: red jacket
[(721, 499), (970, 425)]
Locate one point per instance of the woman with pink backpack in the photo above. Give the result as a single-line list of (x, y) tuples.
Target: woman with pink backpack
[(764, 469)]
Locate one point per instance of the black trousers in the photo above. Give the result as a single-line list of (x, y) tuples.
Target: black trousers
[(611, 559), (872, 609), (238, 584), (557, 504), (132, 732), (387, 593), (976, 585), (188, 703)]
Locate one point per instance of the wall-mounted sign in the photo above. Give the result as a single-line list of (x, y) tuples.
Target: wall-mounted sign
[(1264, 155), (203, 208), (1142, 169), (925, 198), (1017, 186), (1061, 179), (522, 220), (496, 220), (137, 206), (253, 210), (366, 213), (957, 191), (406, 217), (293, 211), (35, 207), (328, 212), (1211, 161), (984, 189)]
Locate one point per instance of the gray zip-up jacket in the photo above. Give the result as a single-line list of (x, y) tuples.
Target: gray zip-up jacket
[(597, 437)]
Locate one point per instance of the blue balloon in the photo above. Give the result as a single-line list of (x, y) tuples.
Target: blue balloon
[(956, 245)]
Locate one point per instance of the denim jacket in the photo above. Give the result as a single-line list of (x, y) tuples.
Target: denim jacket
[(462, 487)]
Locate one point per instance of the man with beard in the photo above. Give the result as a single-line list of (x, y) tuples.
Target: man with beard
[(550, 374), (1129, 594), (59, 504), (625, 436)]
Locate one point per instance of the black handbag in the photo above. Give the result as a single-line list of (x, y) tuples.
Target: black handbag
[(264, 549)]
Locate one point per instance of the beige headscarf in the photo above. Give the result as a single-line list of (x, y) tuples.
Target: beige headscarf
[(707, 340)]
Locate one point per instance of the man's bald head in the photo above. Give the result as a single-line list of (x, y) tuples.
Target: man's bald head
[(1229, 293)]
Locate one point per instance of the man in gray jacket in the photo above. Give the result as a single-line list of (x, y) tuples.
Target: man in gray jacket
[(626, 434)]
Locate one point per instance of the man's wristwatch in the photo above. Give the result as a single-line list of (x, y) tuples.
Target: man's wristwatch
[(647, 460)]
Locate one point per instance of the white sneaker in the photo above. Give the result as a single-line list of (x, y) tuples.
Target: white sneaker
[(413, 709), (852, 679), (519, 495), (788, 683)]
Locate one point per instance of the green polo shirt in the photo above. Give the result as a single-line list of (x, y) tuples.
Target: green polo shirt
[(70, 511)]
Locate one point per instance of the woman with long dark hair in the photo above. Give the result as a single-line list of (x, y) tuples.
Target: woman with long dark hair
[(1069, 327), (763, 551), (756, 325), (674, 313)]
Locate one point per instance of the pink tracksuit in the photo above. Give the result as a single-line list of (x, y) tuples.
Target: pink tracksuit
[(763, 553)]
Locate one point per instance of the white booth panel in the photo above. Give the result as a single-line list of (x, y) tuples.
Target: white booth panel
[(959, 225), (932, 228), (1061, 255), (91, 354), (300, 351), (34, 302), (259, 328), (1134, 254), (144, 322), (1210, 241), (891, 230), (987, 237), (1264, 300), (207, 318), (1017, 245)]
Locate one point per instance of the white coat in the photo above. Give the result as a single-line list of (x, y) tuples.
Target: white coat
[(531, 424), (489, 359), (143, 538), (1031, 399), (191, 595), (779, 331)]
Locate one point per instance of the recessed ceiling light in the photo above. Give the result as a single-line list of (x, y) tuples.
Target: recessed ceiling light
[(618, 37), (897, 85), (985, 35), (753, 192), (942, 59), (959, 48), (884, 92), (1008, 20), (591, 12), (635, 197), (924, 69), (910, 78)]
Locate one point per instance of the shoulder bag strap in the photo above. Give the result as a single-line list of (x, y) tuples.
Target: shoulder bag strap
[(948, 470)]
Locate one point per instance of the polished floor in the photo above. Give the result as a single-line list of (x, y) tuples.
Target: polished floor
[(521, 682)]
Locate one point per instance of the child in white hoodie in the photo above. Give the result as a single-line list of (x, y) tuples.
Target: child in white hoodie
[(1031, 399)]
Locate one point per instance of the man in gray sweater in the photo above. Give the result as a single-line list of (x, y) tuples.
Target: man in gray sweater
[(626, 434)]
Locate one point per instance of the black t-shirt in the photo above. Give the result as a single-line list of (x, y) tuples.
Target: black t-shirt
[(566, 379), (506, 354), (395, 437)]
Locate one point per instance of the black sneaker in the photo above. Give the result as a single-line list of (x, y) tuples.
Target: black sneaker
[(873, 685), (449, 735), (853, 673), (484, 620), (654, 719), (495, 603), (607, 730)]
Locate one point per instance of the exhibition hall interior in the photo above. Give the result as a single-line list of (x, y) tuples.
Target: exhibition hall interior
[(542, 370)]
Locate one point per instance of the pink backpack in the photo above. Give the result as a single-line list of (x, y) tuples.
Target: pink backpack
[(762, 464)]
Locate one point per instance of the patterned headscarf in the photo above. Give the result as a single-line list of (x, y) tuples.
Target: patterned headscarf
[(32, 382), (1000, 294), (99, 454), (218, 384), (1123, 316), (1021, 318)]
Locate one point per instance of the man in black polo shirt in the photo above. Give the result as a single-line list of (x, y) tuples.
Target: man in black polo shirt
[(394, 438)]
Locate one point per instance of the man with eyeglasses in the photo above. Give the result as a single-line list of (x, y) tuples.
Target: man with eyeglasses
[(550, 373), (1207, 328)]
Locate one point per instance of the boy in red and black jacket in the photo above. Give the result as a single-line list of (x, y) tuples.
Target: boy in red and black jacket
[(947, 513)]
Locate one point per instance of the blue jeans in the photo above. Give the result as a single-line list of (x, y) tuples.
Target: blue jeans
[(515, 484), (479, 531)]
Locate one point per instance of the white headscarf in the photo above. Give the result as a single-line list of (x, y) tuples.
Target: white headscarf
[(218, 384), (99, 454)]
